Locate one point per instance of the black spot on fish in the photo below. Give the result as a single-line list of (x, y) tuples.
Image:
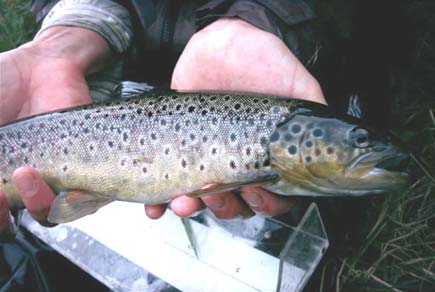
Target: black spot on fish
[(153, 136), (110, 144), (4, 181), (232, 164), (213, 151), (309, 144), (26, 160), (86, 130), (123, 116), (317, 132), (212, 109), (263, 141), (204, 112), (125, 137), (41, 155), (214, 121), (266, 162), (166, 176), (187, 123), (227, 98), (256, 165), (164, 107), (296, 128), (23, 145), (292, 149), (247, 166), (150, 114), (183, 142), (177, 127), (213, 98), (91, 148), (265, 101), (191, 109), (201, 167), (178, 107), (192, 137), (317, 152), (142, 141), (144, 170), (233, 137), (167, 151), (269, 123), (274, 137), (329, 150), (65, 168), (174, 97), (65, 151), (98, 126), (163, 122), (255, 100), (308, 159), (248, 151), (62, 122), (87, 116), (183, 163), (205, 139), (139, 111), (237, 106)]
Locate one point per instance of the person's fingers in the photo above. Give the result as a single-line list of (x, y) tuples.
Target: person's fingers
[(4, 214), (34, 192), (155, 211), (264, 202), (226, 206), (185, 206)]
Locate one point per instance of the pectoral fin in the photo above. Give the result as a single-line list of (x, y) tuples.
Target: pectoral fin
[(69, 206), (232, 186)]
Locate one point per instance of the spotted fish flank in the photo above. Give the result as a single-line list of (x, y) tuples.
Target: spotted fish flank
[(149, 148)]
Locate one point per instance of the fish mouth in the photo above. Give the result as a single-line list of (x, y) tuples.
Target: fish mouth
[(387, 160), (379, 172)]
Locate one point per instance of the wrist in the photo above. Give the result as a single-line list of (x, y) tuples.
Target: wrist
[(83, 49)]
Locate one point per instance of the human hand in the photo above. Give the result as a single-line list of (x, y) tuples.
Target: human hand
[(44, 75), (232, 55)]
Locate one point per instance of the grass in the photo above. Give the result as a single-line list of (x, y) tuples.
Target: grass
[(398, 249), (17, 25)]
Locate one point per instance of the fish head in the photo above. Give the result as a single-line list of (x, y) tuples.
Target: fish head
[(330, 156)]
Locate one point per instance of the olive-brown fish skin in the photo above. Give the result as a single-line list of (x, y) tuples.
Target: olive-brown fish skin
[(153, 147), (145, 149)]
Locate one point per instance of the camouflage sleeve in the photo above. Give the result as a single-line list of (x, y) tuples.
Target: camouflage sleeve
[(107, 18)]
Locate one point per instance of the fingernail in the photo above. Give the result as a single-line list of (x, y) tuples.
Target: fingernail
[(254, 200), (26, 184), (216, 203)]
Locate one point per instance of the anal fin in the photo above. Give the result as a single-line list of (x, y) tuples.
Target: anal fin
[(232, 186), (70, 206)]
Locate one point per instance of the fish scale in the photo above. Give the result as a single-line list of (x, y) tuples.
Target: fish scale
[(147, 149), (153, 147)]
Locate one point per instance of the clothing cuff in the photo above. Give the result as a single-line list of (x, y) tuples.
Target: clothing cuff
[(107, 18)]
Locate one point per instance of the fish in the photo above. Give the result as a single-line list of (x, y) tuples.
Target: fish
[(152, 147)]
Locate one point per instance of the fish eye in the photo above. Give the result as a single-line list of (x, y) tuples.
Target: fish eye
[(360, 137)]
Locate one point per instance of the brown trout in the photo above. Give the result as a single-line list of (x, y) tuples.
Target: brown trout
[(150, 148)]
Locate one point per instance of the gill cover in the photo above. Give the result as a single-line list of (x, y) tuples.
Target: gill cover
[(323, 155)]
